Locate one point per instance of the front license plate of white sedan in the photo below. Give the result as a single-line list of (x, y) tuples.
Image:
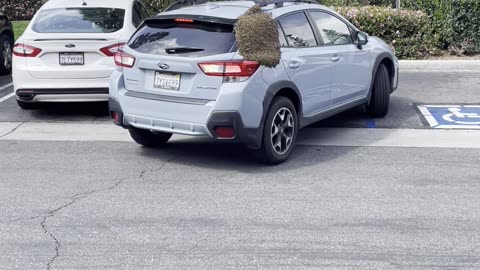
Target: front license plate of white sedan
[(168, 81), (72, 59)]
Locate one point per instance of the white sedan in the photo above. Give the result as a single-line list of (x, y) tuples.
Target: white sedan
[(66, 53)]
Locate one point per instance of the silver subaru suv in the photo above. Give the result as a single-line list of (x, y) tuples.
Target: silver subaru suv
[(181, 73)]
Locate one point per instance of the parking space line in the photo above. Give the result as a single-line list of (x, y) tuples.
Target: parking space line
[(6, 97), (352, 137), (6, 86)]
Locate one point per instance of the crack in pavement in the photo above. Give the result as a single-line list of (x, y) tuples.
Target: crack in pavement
[(11, 131), (74, 199)]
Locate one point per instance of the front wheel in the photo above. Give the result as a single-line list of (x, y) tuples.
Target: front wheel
[(380, 97), (280, 131), (149, 138)]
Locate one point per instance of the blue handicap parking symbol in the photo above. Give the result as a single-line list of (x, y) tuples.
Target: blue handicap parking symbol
[(451, 116)]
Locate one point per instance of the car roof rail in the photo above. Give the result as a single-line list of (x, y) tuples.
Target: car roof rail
[(278, 3)]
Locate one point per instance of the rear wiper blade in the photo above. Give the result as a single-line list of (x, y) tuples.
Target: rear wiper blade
[(183, 50)]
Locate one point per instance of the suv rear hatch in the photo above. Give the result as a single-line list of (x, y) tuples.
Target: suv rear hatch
[(75, 42), (169, 50)]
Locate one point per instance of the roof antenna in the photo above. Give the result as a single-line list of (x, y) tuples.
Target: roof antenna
[(84, 3)]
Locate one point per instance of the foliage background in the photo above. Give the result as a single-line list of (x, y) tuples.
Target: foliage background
[(406, 31), (445, 24), (20, 10)]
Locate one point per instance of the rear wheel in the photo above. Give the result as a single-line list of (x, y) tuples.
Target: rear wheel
[(27, 105), (280, 131), (149, 138), (6, 47), (380, 98)]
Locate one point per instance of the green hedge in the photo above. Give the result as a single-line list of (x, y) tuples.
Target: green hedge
[(452, 24), (351, 3), (456, 23), (20, 10), (157, 6), (405, 30), (340, 3), (465, 26), (439, 12)]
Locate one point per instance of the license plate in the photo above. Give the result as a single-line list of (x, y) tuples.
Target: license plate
[(168, 81), (72, 59)]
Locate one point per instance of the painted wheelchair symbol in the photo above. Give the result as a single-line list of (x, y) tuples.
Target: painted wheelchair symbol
[(451, 116), (458, 117)]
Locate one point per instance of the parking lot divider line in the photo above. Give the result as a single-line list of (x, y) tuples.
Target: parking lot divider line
[(352, 137), (6, 97), (6, 86)]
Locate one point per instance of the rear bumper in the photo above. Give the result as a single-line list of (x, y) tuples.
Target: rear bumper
[(30, 89), (62, 95), (252, 137)]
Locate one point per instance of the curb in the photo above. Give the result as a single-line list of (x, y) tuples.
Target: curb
[(440, 65)]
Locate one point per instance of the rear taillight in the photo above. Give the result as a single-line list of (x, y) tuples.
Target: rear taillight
[(123, 60), (23, 50), (112, 49), (231, 71)]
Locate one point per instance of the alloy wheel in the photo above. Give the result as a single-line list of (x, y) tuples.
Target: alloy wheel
[(282, 131)]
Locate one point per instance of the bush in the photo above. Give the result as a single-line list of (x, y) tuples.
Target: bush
[(341, 3), (404, 30), (157, 6), (386, 3), (465, 20), (455, 22), (440, 12), (20, 10)]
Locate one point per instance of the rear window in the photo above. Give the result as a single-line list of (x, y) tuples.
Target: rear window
[(79, 20), (188, 38)]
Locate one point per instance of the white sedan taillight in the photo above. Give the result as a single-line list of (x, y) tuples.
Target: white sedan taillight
[(123, 60), (112, 49), (23, 50), (231, 71)]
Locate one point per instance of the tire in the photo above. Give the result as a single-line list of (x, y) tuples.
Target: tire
[(271, 152), (380, 97), (27, 105), (6, 47), (148, 138)]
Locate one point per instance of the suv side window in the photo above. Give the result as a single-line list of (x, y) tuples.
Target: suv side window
[(332, 30), (298, 30)]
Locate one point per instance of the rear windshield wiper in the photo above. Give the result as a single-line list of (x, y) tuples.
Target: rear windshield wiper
[(183, 50)]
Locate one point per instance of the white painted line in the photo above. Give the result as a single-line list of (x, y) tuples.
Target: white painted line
[(106, 132), (442, 106), (2, 99), (6, 127), (40, 131), (427, 138), (428, 116), (457, 127), (6, 86)]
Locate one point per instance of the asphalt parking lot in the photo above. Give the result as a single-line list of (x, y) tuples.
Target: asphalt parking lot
[(358, 193)]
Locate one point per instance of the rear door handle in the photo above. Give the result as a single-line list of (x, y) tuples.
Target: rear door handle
[(294, 64), (335, 58)]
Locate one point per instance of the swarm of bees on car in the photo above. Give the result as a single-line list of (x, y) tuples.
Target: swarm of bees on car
[(257, 37)]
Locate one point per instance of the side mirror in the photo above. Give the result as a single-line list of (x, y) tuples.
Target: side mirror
[(362, 38)]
